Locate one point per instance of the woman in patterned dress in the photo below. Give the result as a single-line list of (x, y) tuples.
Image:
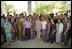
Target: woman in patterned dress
[(8, 27), (32, 28)]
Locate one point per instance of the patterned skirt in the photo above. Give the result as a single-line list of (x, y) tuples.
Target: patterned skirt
[(44, 34), (58, 37), (8, 36), (32, 30)]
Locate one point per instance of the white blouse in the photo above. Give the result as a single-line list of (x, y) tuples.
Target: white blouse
[(43, 23), (27, 24), (59, 28)]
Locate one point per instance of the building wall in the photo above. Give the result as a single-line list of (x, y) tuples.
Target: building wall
[(3, 11), (68, 5), (29, 7)]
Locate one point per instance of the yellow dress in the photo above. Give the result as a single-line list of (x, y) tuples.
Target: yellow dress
[(21, 28)]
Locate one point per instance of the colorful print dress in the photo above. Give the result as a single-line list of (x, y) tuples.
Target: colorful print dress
[(7, 27), (32, 29)]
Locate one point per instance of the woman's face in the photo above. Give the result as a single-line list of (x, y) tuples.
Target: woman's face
[(43, 18), (59, 20), (28, 19)]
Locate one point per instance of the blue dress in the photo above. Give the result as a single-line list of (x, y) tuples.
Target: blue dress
[(7, 27)]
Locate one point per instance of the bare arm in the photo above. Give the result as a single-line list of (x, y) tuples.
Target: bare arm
[(67, 28), (18, 26), (48, 28)]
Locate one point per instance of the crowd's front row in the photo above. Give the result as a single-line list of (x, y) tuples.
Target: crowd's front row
[(44, 27)]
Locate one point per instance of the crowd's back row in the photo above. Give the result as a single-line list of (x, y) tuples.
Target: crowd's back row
[(47, 27)]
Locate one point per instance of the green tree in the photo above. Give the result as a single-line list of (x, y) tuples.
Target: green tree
[(9, 7), (44, 7)]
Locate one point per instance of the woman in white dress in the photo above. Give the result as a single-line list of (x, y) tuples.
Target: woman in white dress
[(38, 27), (59, 30)]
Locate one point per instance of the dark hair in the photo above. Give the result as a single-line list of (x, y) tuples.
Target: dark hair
[(30, 15), (60, 20), (52, 15), (66, 14), (34, 13), (61, 14), (27, 17), (3, 16), (21, 13), (55, 21)]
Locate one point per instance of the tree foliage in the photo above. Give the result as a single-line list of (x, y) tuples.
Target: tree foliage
[(47, 8)]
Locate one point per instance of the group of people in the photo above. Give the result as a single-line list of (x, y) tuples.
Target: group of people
[(47, 27)]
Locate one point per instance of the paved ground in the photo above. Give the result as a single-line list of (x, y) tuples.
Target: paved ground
[(33, 44)]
